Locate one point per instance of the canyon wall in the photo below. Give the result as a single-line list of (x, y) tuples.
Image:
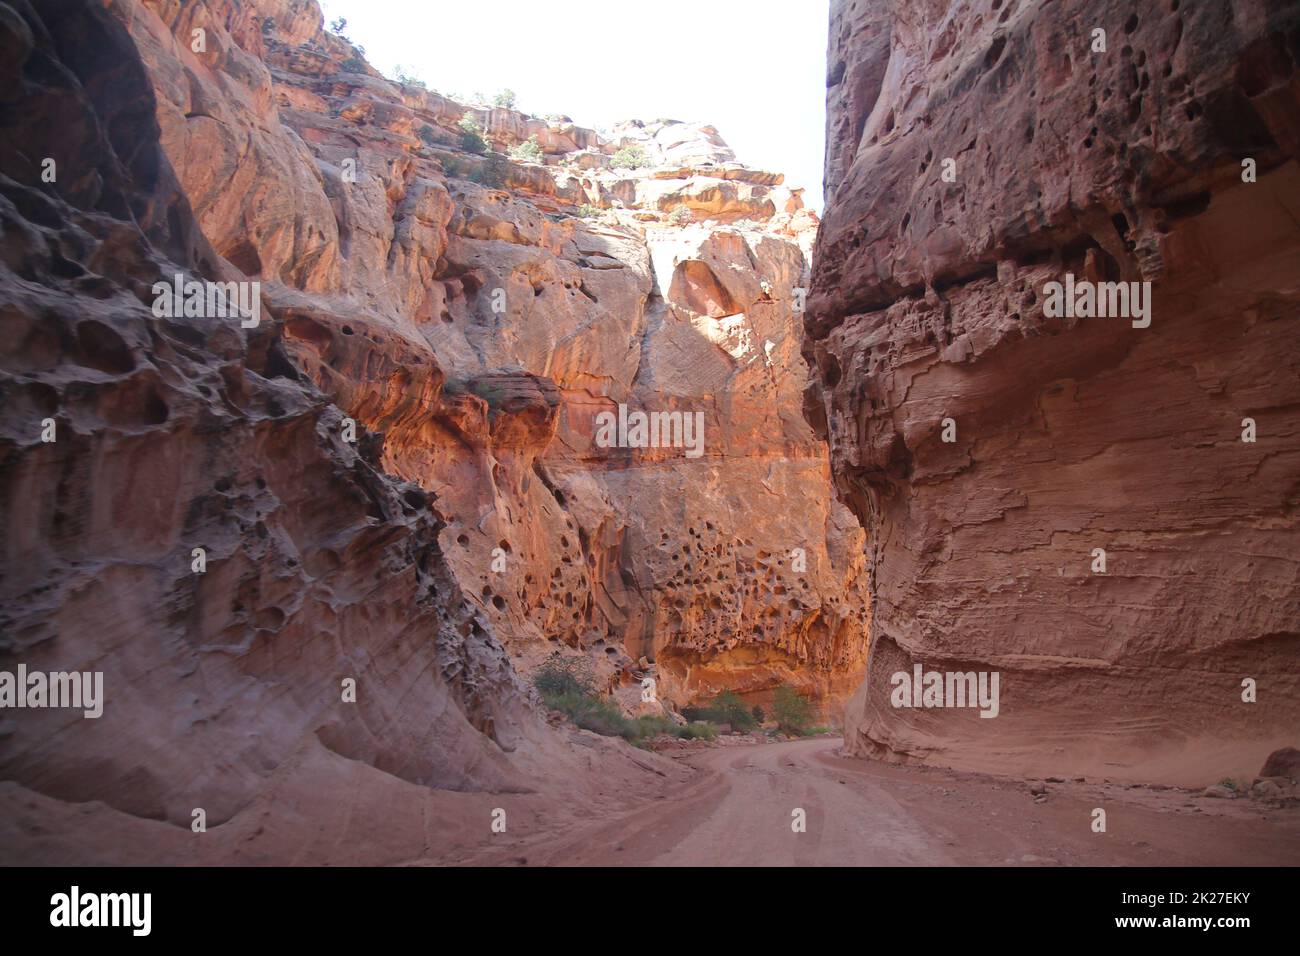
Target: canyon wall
[(317, 558), (223, 682), (1124, 160), (547, 293)]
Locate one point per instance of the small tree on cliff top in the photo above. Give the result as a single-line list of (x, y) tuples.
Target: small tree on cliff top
[(631, 157), (408, 78)]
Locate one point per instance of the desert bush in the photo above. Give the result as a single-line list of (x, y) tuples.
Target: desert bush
[(564, 675), (567, 685), (529, 151), (505, 99), (595, 714), (631, 157), (407, 78), (726, 708), (471, 136), (682, 216), (649, 726), (426, 134), (732, 710), (792, 711)]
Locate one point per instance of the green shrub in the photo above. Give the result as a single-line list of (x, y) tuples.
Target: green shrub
[(732, 710), (726, 708), (631, 157), (567, 685), (759, 716), (595, 714), (529, 151), (505, 99), (338, 26), (427, 135), (587, 211), (681, 216), (649, 726), (353, 65), (564, 675), (471, 136), (793, 711), (407, 78)]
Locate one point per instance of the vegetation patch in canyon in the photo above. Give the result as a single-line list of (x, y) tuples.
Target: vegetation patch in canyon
[(630, 157), (471, 136), (726, 708), (566, 685), (529, 151), (793, 712)]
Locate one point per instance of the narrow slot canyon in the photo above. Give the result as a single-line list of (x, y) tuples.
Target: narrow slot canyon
[(426, 482)]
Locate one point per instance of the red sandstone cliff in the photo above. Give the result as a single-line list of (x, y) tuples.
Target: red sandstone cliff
[(540, 314), (275, 154), (1071, 434)]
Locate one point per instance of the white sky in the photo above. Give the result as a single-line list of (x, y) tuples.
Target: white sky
[(755, 69)]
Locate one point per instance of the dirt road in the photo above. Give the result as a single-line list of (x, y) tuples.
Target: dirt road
[(738, 809)]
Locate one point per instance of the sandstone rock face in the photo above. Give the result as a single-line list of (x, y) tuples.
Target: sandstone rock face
[(460, 316), (223, 687), (459, 305), (1068, 434), (1282, 763)]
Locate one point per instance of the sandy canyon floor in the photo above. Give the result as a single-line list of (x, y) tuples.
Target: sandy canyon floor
[(735, 807)]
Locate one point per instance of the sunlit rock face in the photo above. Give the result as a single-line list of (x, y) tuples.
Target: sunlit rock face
[(1169, 157), (460, 305)]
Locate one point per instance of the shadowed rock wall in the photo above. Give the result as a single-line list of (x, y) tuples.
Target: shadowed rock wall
[(1069, 434)]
